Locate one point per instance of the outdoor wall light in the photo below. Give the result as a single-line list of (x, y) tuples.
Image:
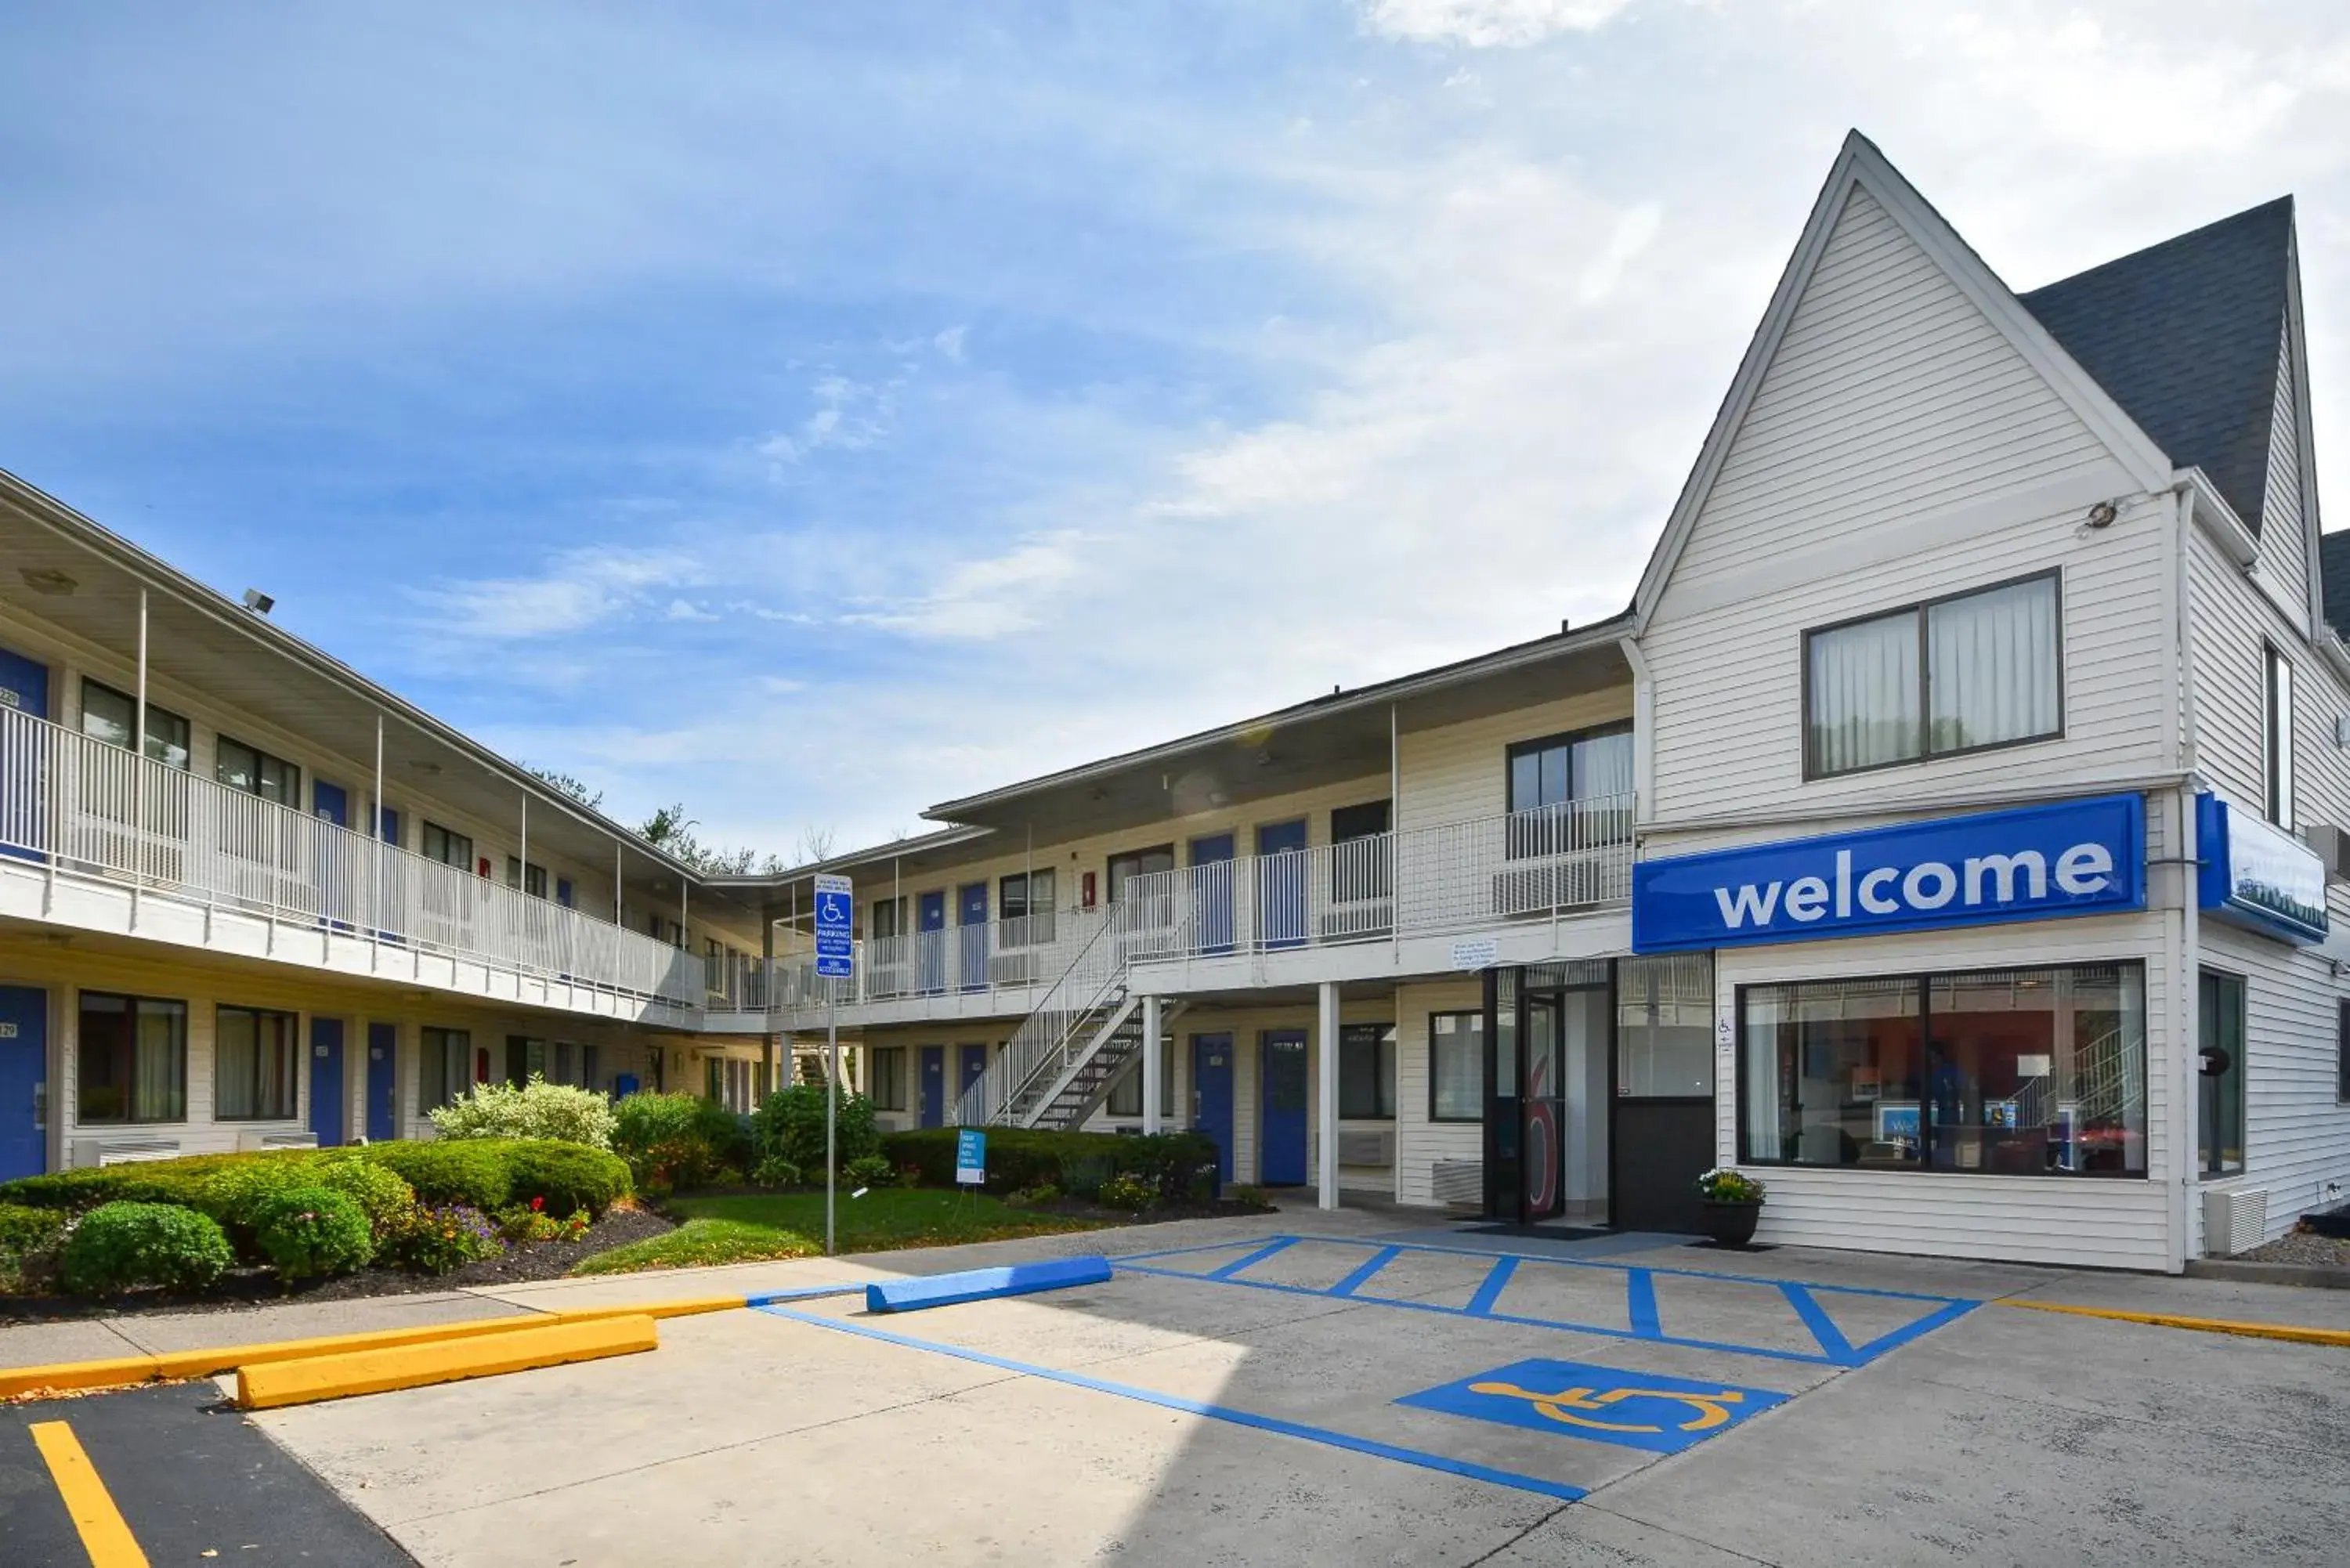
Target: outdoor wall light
[(47, 580), (2103, 514)]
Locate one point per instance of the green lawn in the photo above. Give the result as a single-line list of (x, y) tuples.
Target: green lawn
[(750, 1227)]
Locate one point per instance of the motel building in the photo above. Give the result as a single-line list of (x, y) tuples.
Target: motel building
[(1950, 833)]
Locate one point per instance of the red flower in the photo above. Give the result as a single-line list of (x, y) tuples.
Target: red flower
[(536, 1204)]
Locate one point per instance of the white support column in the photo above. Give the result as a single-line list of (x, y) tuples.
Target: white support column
[(139, 769), (1151, 1109), (1326, 1041)]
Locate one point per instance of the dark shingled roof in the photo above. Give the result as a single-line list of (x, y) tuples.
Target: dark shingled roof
[(2184, 335), (2334, 569)]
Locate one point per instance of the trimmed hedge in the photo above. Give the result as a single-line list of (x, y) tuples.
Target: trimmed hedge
[(308, 1230), (385, 1179), (1177, 1165), (117, 1246)]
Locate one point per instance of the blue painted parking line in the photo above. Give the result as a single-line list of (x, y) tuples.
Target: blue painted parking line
[(1326, 1437), (1641, 1298)]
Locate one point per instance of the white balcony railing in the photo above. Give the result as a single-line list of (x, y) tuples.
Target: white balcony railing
[(1479, 875), (81, 808)]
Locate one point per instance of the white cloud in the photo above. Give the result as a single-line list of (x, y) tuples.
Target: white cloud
[(686, 610), (950, 343), (851, 416), (579, 589), (1487, 24), (987, 599)]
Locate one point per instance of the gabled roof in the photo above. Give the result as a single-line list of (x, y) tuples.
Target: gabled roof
[(2333, 569), (2184, 336)]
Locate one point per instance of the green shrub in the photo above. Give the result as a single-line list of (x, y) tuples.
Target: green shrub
[(1254, 1197), (537, 1109), (437, 1238), (1128, 1190), (869, 1170), (774, 1170), (180, 1181), (1034, 1196), (790, 1123), (1179, 1167), (121, 1245), (472, 1171), (307, 1231), (679, 1139), (29, 1239), (383, 1194), (565, 1176)]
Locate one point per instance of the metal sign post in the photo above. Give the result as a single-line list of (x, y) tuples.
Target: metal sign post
[(835, 961)]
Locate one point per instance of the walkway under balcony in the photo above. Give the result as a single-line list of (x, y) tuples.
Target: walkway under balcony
[(1537, 884), (96, 839)]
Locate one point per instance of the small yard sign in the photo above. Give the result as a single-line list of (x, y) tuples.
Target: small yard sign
[(971, 1158)]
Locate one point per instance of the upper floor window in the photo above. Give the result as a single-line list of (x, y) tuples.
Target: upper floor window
[(107, 715), (2276, 740), (1360, 871), (1026, 897), (438, 843), (531, 880), (256, 772), (1976, 669), (1568, 790)]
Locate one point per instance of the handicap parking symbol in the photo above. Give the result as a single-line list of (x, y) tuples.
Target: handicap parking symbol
[(1603, 1404)]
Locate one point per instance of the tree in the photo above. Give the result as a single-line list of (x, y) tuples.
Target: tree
[(671, 831), (577, 789), (815, 844)]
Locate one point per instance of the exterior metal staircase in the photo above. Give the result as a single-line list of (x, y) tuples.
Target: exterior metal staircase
[(1058, 1066)]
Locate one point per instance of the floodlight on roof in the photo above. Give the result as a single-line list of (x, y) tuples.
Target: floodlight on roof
[(258, 602)]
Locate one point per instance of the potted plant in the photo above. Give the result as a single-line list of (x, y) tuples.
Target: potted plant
[(1731, 1201)]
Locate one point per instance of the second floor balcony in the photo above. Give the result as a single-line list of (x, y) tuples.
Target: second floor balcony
[(1452, 879), (92, 832)]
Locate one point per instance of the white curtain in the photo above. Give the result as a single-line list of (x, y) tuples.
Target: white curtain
[(1864, 693), (1993, 665), (1759, 1114), (159, 1077)]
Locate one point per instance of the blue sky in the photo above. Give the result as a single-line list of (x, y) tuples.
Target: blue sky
[(815, 412)]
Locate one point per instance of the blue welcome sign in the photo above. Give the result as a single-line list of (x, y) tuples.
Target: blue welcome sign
[(2258, 875), (2034, 863), (1603, 1404)]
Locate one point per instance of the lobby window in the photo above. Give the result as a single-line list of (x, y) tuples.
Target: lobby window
[(1568, 790), (111, 716), (1366, 1071), (2220, 1073), (889, 1078), (438, 843), (444, 1067), (1664, 1026), (131, 1060), (1456, 1066), (1024, 900), (2007, 1072), (2276, 738), (1982, 669), (256, 1065), (256, 773)]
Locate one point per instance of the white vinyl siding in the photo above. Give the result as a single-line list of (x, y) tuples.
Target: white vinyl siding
[(1899, 448), (1458, 772), (2283, 543), (1420, 1142)]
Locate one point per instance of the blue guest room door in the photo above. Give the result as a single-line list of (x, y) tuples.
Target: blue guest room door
[(1280, 892), (931, 918), (327, 1080), (1212, 890), (24, 1066), (971, 916), (24, 687), (974, 1068), (1281, 1153), (1212, 1095), (934, 1085), (382, 1080)]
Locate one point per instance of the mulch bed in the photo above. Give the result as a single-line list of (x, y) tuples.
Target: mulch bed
[(258, 1287)]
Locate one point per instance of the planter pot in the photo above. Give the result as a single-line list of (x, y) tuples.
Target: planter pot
[(1729, 1224)]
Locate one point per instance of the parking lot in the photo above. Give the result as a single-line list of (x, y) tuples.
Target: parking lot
[(1310, 1390)]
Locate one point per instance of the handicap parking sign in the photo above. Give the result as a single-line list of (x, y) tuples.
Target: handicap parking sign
[(1603, 1404)]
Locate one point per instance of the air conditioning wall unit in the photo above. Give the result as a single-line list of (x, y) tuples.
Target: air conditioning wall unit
[(123, 1151), (258, 1140), (1460, 1181), (1374, 1145), (2234, 1221)]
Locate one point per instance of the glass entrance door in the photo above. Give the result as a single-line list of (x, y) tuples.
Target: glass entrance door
[(1545, 1107)]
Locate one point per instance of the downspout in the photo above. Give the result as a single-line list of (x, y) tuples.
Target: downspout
[(2186, 1006), (1644, 732)]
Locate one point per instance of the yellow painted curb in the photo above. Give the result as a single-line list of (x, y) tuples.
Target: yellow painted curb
[(278, 1383), (119, 1371), (96, 1520), (2284, 1331)]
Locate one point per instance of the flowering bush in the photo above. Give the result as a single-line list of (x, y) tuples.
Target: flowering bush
[(441, 1237), (1723, 1185), (1127, 1190), (307, 1230), (535, 1109), (531, 1222)]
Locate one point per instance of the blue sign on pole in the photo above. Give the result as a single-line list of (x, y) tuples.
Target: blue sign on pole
[(836, 905), (2076, 857), (971, 1158)]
